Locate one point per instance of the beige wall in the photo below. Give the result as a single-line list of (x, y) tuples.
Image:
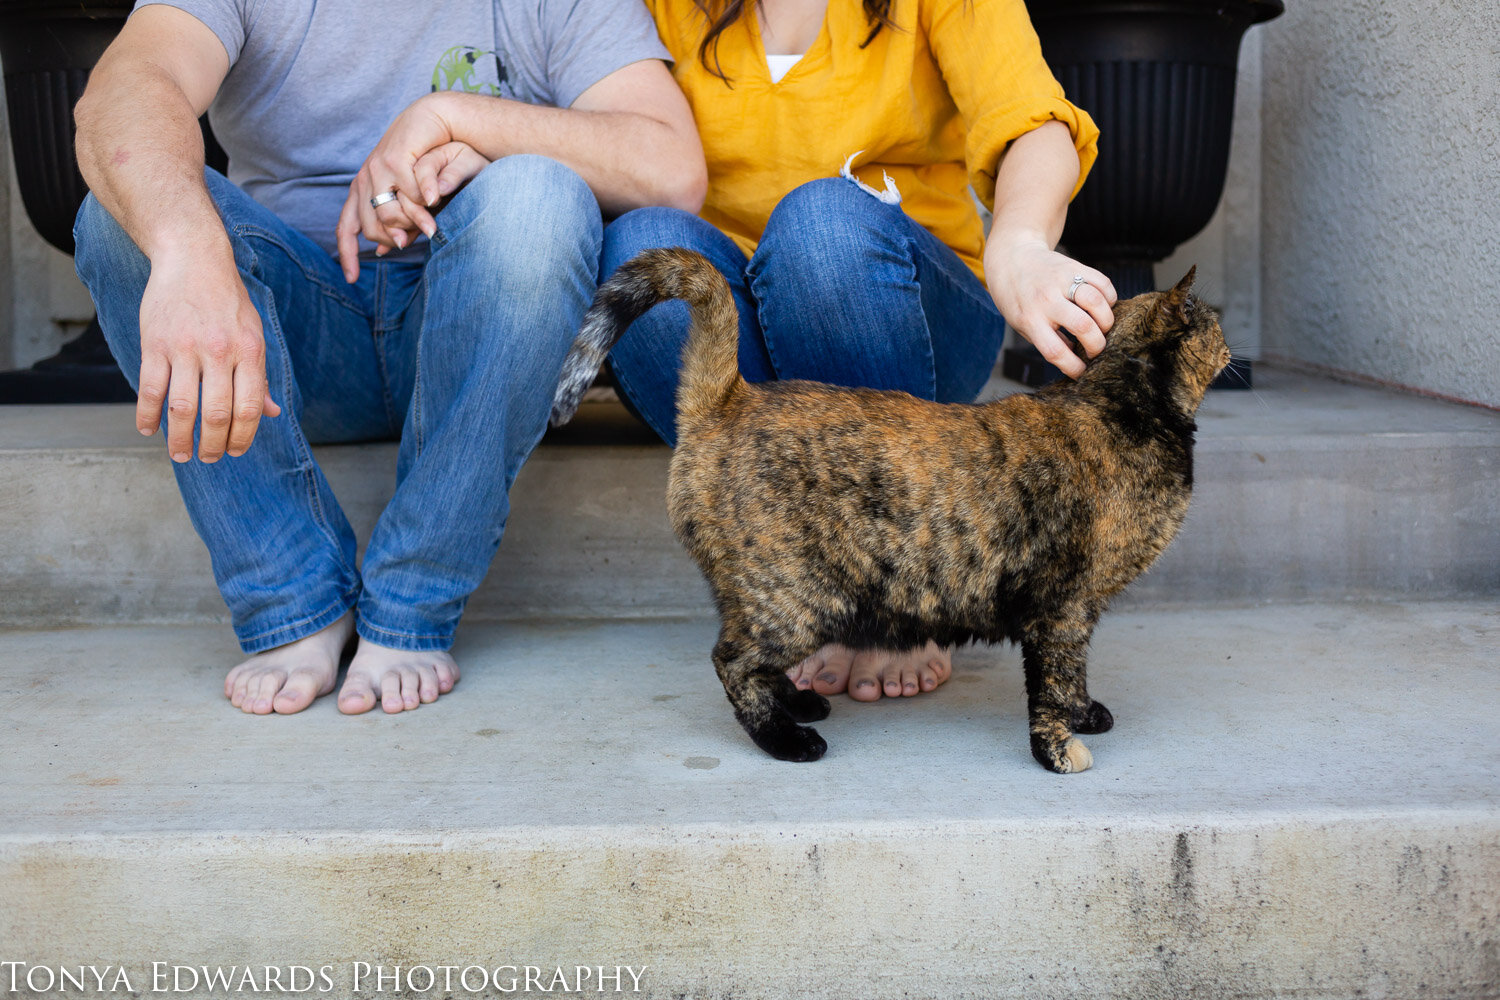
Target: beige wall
[(1381, 191)]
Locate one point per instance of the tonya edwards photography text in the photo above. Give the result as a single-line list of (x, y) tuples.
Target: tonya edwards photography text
[(352, 978)]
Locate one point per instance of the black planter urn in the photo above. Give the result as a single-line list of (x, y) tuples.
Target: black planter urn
[(47, 50), (1158, 77)]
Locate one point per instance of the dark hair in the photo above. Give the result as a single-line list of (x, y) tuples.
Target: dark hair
[(722, 13)]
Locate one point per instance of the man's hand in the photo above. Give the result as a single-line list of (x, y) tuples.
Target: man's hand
[(1030, 283), (419, 161), (198, 328)]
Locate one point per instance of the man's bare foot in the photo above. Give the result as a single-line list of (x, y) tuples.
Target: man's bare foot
[(287, 679), (397, 679), (868, 673)]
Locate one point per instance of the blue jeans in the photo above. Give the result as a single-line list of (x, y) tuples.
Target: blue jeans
[(842, 289), (457, 355)]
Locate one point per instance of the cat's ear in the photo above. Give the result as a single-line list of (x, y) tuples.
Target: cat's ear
[(1177, 304)]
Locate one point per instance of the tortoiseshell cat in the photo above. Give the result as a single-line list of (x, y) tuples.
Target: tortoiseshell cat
[(875, 519)]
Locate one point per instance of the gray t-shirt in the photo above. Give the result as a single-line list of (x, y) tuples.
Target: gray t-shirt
[(314, 84)]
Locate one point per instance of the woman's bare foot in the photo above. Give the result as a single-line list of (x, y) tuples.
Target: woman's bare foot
[(287, 679), (397, 679), (868, 673)]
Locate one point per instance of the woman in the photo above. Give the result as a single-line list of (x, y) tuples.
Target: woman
[(842, 139)]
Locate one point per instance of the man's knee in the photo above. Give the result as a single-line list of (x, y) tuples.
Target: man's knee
[(524, 199)]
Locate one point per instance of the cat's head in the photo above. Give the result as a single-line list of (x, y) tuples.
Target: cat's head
[(1172, 338)]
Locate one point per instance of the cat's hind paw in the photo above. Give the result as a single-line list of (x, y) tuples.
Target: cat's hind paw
[(789, 741), (1067, 756)]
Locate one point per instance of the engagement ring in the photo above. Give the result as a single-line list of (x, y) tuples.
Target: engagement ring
[(1073, 288)]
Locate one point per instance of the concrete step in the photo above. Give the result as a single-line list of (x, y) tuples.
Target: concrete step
[(1306, 489), (1296, 801)]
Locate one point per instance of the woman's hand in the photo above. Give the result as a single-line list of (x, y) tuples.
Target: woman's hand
[(1031, 285)]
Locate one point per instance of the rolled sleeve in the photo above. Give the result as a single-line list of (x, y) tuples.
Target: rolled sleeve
[(992, 62)]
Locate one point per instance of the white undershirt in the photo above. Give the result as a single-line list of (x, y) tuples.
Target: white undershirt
[(781, 65)]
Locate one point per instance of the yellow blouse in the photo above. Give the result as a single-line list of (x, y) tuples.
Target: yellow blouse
[(932, 102)]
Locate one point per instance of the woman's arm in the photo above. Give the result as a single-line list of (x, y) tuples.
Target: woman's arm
[(1028, 279)]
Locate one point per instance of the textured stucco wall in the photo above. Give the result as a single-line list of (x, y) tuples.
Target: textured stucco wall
[(1381, 191), (1227, 251)]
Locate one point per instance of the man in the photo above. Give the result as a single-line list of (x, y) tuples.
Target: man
[(406, 243)]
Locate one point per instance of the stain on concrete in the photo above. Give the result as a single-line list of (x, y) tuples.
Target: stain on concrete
[(486, 732), (664, 697), (701, 763)]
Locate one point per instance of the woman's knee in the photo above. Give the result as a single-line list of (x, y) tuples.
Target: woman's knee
[(833, 228)]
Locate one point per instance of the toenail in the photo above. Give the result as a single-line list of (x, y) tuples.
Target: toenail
[(865, 684), (829, 678)]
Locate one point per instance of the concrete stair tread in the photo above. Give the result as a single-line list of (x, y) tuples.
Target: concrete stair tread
[(1296, 801), (1257, 714)]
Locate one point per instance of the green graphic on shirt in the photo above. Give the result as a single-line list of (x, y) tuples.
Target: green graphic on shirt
[(462, 68)]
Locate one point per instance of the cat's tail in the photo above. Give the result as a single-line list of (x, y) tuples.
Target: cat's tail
[(710, 361)]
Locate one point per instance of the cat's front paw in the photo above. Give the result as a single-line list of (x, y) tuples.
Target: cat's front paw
[(1094, 719), (1065, 756), (790, 741)]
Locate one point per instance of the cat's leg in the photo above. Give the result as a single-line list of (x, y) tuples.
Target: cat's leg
[(1055, 657), (765, 701)]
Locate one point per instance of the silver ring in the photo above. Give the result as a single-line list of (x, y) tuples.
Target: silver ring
[(1073, 288), (384, 198)]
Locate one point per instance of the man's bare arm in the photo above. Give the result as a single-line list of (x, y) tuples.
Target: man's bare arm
[(630, 136), (141, 151)]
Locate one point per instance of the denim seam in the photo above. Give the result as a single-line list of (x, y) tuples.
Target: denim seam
[(250, 229), (341, 605), (305, 464), (378, 334), (912, 252), (363, 620)]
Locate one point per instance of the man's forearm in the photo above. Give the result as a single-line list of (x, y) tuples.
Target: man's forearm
[(628, 159), (140, 150)]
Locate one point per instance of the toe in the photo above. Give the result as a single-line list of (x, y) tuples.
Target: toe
[(235, 679), (390, 692), (411, 687), (864, 677), (240, 689), (909, 679), (940, 659), (264, 690), (833, 675), (927, 677), (298, 692), (447, 674), (803, 673), (427, 683), (357, 696)]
